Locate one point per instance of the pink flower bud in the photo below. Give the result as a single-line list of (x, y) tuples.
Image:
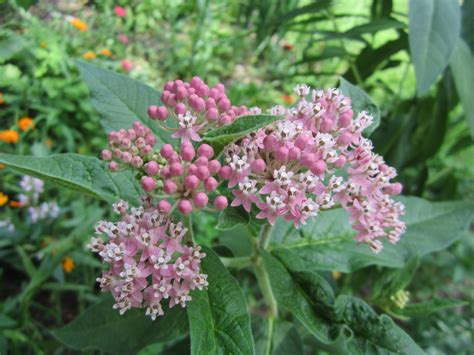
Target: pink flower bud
[(180, 109), (166, 151), (270, 143), (113, 166), (202, 90), (137, 162), (126, 157), (205, 150), (150, 139), (181, 92), (153, 112), (164, 206), (152, 168), (201, 200), (394, 189), (281, 153), (214, 93), (126, 143), (345, 118), (162, 113), (169, 85), (220, 202), (169, 187), (340, 162), (203, 172), (223, 103), (225, 172), (191, 182), (318, 167), (345, 138), (192, 169), (307, 159), (165, 172), (188, 153), (148, 183), (225, 120), (185, 207), (294, 153), (196, 82), (214, 166), (106, 155), (210, 103), (212, 114), (140, 142), (201, 161), (302, 141), (210, 184), (258, 166), (220, 87), (327, 125), (176, 169), (199, 105)]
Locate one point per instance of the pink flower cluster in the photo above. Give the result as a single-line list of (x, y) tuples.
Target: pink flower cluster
[(129, 148), (147, 258), (187, 176), (195, 107), (314, 158)]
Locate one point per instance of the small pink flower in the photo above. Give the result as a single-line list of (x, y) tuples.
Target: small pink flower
[(127, 65), (123, 38), (120, 11)]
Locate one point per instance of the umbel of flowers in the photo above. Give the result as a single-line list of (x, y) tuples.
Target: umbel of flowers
[(315, 158), (148, 262)]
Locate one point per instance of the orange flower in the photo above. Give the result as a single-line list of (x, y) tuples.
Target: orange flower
[(16, 204), (78, 24), (105, 52), (89, 55), (3, 199), (49, 142), (68, 264), (288, 47), (2, 101), (2, 166), (288, 99), (25, 123), (9, 136)]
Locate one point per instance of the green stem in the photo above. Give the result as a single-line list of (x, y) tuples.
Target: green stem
[(189, 237), (268, 346), (265, 236), (238, 263)]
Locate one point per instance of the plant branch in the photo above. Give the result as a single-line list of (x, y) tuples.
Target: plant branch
[(238, 263), (189, 237), (265, 236)]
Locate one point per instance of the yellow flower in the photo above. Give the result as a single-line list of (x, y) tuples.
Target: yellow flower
[(25, 123), (3, 199), (336, 275), (43, 45), (68, 264), (9, 136), (2, 166), (78, 24), (2, 101), (105, 52), (89, 55)]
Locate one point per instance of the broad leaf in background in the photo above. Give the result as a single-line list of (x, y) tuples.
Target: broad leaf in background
[(462, 67), (78, 172), (102, 328), (225, 135), (434, 29), (347, 325), (424, 309), (361, 102), (121, 100), (327, 244), (232, 217), (10, 46), (219, 321)]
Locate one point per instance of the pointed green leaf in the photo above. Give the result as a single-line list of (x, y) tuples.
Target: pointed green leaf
[(102, 328), (219, 321), (424, 309), (326, 243), (462, 67), (121, 100), (434, 28), (244, 125), (361, 102), (78, 172)]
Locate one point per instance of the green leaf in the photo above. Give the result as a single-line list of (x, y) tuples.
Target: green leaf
[(232, 217), (393, 280), (102, 328), (361, 102), (434, 28), (10, 46), (219, 321), (462, 67), (424, 309), (375, 26), (244, 125), (78, 172), (347, 325), (121, 100), (326, 243)]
